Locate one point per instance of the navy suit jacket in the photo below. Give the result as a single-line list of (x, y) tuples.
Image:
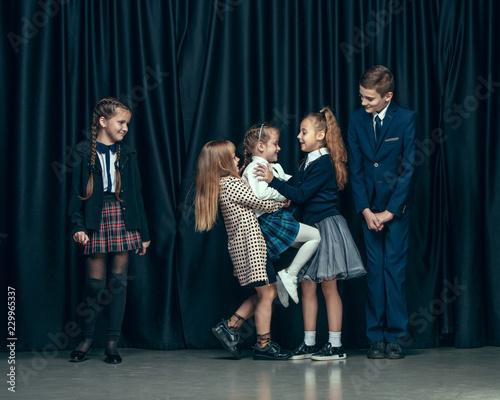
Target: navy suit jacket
[(382, 174)]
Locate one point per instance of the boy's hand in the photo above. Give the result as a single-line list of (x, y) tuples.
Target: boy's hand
[(384, 216), (372, 220)]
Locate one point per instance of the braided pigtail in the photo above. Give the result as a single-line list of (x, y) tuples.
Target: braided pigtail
[(93, 150)]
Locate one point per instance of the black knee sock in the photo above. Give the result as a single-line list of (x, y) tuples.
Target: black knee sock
[(117, 291), (92, 293)]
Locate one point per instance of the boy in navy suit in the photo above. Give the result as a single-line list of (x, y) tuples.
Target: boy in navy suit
[(381, 139)]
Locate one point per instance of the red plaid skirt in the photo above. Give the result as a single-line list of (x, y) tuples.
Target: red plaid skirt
[(112, 235)]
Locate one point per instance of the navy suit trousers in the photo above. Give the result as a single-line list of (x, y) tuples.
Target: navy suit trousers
[(386, 313)]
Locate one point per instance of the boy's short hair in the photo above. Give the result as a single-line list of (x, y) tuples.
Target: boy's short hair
[(379, 78)]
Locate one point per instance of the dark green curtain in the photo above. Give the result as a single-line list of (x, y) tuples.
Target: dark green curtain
[(199, 70)]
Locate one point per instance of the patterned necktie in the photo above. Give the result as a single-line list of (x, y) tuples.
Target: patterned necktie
[(378, 127)]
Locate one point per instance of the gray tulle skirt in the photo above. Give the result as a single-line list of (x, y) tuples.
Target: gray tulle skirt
[(337, 255)]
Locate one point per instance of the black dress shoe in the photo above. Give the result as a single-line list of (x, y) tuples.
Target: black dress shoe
[(79, 356), (112, 358), (271, 352), (377, 350), (394, 351)]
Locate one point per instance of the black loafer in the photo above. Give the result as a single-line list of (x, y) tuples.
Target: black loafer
[(79, 356), (112, 358), (394, 351), (271, 352), (377, 350)]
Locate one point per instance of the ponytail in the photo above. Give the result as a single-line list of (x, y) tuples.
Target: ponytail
[(325, 120)]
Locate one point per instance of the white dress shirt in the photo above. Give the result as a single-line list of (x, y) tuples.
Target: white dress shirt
[(381, 115), (261, 189), (112, 159)]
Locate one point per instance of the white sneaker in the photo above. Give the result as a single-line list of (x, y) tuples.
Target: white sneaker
[(290, 284), (282, 292)]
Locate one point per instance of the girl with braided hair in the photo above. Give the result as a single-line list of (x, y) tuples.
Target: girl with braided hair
[(280, 229), (316, 189), (107, 221)]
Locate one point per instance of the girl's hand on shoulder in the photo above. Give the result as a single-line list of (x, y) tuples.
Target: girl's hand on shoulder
[(264, 173), (145, 245), (81, 237)]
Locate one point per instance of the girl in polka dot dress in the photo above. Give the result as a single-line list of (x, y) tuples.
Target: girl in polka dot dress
[(218, 182)]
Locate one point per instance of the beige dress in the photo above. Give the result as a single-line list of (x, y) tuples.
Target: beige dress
[(246, 243)]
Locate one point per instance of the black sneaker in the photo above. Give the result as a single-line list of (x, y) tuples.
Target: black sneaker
[(271, 352), (303, 351), (328, 352), (228, 338)]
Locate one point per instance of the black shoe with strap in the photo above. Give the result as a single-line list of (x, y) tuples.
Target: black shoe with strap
[(272, 351), (228, 337)]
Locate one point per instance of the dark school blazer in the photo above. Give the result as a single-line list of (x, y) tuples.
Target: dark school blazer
[(383, 174), (315, 190), (86, 214)]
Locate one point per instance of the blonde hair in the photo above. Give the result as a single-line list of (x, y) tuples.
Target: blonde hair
[(326, 121), (216, 160), (252, 139), (107, 108)]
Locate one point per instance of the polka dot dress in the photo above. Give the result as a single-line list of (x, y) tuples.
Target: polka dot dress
[(246, 243)]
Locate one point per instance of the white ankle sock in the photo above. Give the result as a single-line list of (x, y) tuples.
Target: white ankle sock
[(310, 338), (334, 339)]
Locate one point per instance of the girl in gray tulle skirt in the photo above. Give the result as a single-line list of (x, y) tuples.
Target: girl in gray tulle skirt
[(316, 188)]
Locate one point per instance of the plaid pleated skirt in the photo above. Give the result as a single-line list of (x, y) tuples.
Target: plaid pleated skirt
[(280, 230), (112, 236)]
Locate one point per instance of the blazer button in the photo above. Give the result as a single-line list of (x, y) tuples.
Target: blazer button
[(123, 208), (375, 165)]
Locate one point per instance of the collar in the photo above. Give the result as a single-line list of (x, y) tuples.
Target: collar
[(104, 148), (314, 155), (85, 149), (260, 160), (382, 113)]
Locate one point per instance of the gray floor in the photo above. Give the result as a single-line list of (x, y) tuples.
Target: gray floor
[(444, 373)]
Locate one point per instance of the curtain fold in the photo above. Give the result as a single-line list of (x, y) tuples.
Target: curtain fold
[(197, 70)]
